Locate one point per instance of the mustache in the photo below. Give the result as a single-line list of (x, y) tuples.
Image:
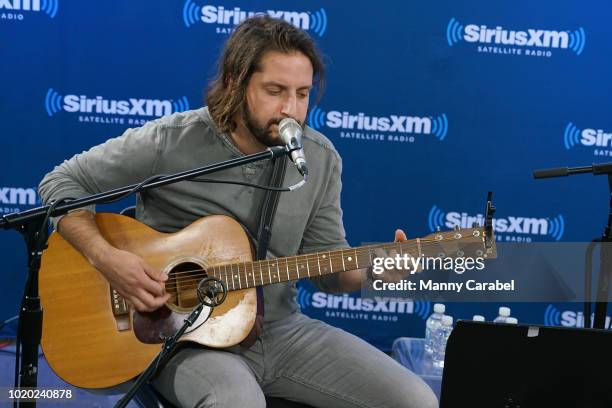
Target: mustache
[(276, 121)]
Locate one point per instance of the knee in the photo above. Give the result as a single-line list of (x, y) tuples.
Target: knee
[(412, 392), (420, 395), (425, 398), (235, 398), (209, 395)]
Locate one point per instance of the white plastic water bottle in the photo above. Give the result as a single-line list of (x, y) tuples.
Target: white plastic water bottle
[(512, 320), (439, 344), (504, 313), (478, 318), (432, 325)]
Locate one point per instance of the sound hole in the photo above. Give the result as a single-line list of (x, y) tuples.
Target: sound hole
[(182, 285)]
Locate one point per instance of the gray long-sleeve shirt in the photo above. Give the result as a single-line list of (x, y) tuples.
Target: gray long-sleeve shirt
[(307, 220)]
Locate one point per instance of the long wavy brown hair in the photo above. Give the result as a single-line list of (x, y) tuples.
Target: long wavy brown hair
[(241, 57)]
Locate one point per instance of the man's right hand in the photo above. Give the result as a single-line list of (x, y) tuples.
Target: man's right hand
[(141, 285)]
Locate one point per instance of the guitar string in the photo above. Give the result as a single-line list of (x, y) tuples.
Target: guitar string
[(335, 258), (423, 243), (280, 269)]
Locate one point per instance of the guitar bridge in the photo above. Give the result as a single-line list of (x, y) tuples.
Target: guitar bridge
[(121, 311)]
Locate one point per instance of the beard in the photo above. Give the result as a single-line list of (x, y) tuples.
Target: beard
[(263, 133)]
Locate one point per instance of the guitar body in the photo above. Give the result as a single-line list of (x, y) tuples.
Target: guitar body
[(91, 339)]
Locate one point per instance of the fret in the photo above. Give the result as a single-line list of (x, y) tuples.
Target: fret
[(331, 267), (400, 247), (287, 266), (318, 263), (342, 256), (238, 276), (419, 253), (356, 258), (269, 273), (233, 283), (277, 277), (250, 273), (307, 266), (260, 274), (351, 259), (323, 269), (277, 270)]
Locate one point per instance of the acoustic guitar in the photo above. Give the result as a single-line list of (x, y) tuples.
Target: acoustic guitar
[(93, 339)]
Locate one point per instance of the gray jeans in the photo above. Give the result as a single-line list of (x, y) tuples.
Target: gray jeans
[(296, 358)]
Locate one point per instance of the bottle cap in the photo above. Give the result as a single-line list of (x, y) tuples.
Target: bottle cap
[(439, 308), (504, 311)]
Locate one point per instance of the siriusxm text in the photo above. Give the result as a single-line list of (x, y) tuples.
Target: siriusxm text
[(530, 38), (518, 225), (346, 302), (392, 123), (593, 137), (234, 16), (17, 196), (131, 106), (27, 5)]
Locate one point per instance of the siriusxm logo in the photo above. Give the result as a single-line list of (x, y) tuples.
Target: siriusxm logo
[(436, 126), (231, 16), (567, 318), (473, 33), (48, 7), (54, 103), (590, 137), (322, 300), (511, 225), (18, 196)]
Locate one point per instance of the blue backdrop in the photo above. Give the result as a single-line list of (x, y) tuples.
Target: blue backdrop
[(430, 104)]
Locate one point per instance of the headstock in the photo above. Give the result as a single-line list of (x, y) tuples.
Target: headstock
[(477, 241)]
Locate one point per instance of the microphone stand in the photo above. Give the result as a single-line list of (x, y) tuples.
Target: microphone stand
[(210, 288), (33, 225), (605, 255)]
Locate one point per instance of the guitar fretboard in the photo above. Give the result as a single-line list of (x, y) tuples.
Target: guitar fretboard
[(251, 274), (244, 275)]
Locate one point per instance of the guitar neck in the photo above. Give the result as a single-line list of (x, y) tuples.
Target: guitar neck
[(251, 274)]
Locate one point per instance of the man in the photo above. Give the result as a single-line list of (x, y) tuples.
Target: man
[(266, 73)]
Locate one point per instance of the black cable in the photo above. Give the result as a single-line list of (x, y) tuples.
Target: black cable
[(4, 323), (240, 183), (136, 189), (139, 187)]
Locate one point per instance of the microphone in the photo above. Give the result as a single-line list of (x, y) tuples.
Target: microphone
[(290, 132)]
